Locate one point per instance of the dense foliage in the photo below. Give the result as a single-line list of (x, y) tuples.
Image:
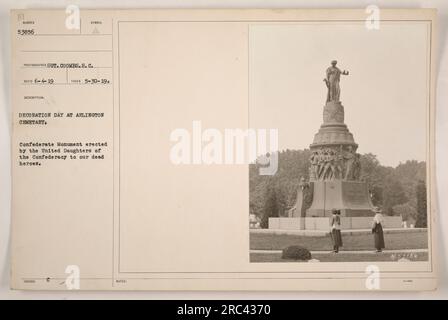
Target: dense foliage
[(421, 221), (397, 190)]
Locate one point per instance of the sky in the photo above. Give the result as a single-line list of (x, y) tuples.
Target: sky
[(385, 96)]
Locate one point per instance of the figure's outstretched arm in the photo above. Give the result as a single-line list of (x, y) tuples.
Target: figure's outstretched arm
[(345, 72)]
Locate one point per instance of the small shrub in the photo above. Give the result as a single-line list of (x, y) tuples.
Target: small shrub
[(296, 253)]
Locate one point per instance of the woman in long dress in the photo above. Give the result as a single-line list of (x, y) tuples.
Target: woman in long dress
[(335, 225), (377, 229)]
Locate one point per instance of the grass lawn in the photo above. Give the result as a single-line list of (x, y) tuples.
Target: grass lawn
[(262, 241), (340, 257)]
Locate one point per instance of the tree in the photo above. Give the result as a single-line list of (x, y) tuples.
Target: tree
[(395, 189), (376, 195), (409, 174), (374, 174), (393, 194), (406, 211), (422, 215), (270, 207)]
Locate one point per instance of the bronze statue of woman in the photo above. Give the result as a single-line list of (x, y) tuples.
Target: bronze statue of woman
[(332, 81)]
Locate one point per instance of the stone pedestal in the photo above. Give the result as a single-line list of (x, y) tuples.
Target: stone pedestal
[(333, 132), (335, 172), (351, 197)]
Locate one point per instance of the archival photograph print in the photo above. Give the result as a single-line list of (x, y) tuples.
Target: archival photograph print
[(351, 106)]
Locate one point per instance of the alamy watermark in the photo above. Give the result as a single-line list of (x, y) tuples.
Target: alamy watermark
[(72, 281), (225, 147), (73, 19), (373, 17), (373, 277)]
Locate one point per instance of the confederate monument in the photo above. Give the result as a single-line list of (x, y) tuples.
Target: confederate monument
[(334, 174), (334, 164)]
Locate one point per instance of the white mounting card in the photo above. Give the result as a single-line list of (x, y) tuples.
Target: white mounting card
[(139, 143)]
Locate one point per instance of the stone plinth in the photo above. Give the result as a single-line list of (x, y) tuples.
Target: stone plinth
[(286, 223), (335, 170), (333, 131), (351, 197)]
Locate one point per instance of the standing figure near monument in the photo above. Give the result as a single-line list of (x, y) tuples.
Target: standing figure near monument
[(332, 81), (298, 210), (314, 167), (357, 167), (323, 164), (349, 157), (335, 225), (377, 229), (339, 164), (332, 165), (330, 170), (320, 164)]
